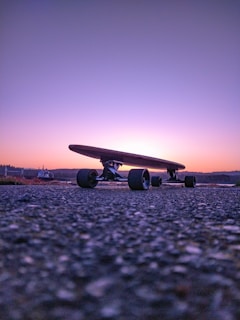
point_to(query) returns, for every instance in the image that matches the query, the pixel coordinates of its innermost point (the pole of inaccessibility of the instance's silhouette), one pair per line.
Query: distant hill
(230, 177)
(215, 177)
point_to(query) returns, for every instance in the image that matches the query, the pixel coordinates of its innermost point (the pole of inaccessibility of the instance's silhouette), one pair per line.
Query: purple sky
(159, 78)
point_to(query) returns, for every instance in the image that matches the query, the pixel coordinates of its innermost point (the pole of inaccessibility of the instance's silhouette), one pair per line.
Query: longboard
(125, 157)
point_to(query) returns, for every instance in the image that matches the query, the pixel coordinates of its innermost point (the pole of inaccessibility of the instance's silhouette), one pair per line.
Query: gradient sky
(159, 78)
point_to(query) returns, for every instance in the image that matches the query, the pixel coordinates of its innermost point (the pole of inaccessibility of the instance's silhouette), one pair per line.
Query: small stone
(99, 287)
(193, 249)
(66, 295)
(233, 228)
(128, 270)
(220, 256)
(63, 258)
(147, 294)
(111, 310)
(235, 247)
(220, 280)
(13, 226)
(28, 260)
(179, 269)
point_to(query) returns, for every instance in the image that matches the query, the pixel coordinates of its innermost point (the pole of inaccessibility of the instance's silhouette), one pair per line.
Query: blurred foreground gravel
(113, 253)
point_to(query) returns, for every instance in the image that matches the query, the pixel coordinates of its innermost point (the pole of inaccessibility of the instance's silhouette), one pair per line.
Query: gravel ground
(112, 253)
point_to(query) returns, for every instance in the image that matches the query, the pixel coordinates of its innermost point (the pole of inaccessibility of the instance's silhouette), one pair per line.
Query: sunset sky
(159, 78)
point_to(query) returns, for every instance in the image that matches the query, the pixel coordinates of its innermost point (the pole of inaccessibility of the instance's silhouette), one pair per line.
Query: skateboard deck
(125, 157)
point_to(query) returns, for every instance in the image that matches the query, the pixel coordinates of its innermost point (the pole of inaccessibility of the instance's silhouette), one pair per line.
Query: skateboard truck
(110, 168)
(189, 181)
(173, 176)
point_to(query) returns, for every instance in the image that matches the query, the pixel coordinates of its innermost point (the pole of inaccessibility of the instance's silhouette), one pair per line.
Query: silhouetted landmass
(229, 177)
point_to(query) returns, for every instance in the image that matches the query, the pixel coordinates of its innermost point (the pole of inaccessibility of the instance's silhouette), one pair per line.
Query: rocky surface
(113, 253)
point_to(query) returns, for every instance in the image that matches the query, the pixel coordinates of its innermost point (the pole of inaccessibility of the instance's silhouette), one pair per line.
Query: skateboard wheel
(190, 181)
(86, 178)
(156, 181)
(139, 179)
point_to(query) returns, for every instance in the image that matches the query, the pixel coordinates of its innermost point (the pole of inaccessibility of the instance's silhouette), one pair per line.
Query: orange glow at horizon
(58, 157)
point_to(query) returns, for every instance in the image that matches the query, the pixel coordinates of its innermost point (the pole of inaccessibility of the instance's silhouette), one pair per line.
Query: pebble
(112, 253)
(99, 287)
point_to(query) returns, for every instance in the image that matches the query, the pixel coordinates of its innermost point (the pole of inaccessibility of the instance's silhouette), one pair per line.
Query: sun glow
(137, 144)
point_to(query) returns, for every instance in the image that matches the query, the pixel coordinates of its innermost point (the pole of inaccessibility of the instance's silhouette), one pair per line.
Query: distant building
(45, 174)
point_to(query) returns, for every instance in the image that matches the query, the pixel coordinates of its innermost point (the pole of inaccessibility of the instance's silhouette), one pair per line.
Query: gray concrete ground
(113, 253)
